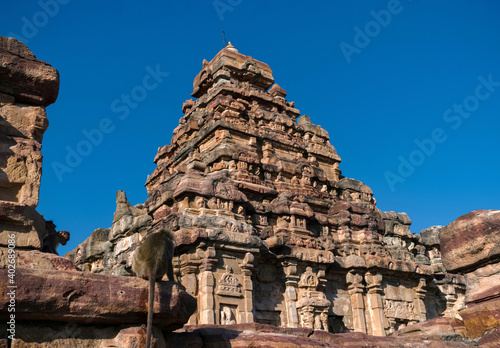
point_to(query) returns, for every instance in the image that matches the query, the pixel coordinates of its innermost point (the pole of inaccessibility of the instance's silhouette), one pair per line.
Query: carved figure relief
(308, 319)
(227, 316)
(199, 202)
(305, 181)
(212, 203)
(400, 309)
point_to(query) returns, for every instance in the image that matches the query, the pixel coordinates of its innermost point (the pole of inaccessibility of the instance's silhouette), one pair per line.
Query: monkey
(54, 238)
(52, 241)
(151, 261)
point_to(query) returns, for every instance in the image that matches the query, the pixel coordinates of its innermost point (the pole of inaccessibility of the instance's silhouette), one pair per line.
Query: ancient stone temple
(275, 246)
(268, 229)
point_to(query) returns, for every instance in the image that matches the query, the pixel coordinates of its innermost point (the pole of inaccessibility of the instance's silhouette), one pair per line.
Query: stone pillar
(375, 304)
(450, 293)
(356, 289)
(206, 303)
(247, 269)
(189, 281)
(420, 304)
(291, 283)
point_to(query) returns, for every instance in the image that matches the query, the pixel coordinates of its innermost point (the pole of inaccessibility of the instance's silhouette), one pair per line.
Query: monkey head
(63, 237)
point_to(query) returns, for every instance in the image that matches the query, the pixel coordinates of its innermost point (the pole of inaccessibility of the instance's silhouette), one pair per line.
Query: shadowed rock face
(27, 86)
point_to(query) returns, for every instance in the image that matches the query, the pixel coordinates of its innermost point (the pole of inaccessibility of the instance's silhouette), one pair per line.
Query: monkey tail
(151, 302)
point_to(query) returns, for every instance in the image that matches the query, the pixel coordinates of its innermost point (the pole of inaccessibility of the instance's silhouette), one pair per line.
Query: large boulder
(87, 298)
(471, 240)
(22, 76)
(471, 245)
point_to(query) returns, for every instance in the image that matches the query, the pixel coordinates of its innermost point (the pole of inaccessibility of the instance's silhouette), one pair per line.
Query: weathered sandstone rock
(438, 328)
(430, 235)
(27, 79)
(94, 298)
(490, 339)
(483, 284)
(109, 250)
(37, 334)
(481, 317)
(123, 207)
(27, 86)
(23, 220)
(36, 260)
(471, 245)
(471, 240)
(258, 335)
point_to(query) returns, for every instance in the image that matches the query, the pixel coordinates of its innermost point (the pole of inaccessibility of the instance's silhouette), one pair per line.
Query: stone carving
(229, 284)
(400, 309)
(227, 316)
(309, 280)
(199, 202)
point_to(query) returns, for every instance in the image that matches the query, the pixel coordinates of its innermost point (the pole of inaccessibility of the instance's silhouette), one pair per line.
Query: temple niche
(267, 228)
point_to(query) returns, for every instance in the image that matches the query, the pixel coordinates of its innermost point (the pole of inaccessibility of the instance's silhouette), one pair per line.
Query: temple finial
(231, 47)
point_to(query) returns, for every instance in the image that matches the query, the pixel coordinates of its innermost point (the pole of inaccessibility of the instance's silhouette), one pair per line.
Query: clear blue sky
(378, 85)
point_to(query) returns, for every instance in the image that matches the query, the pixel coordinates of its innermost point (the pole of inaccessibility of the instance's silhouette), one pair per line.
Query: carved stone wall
(267, 228)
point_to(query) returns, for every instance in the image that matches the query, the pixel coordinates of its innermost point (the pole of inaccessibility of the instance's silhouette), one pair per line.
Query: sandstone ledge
(24, 221)
(260, 335)
(94, 298)
(37, 334)
(35, 260)
(24, 77)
